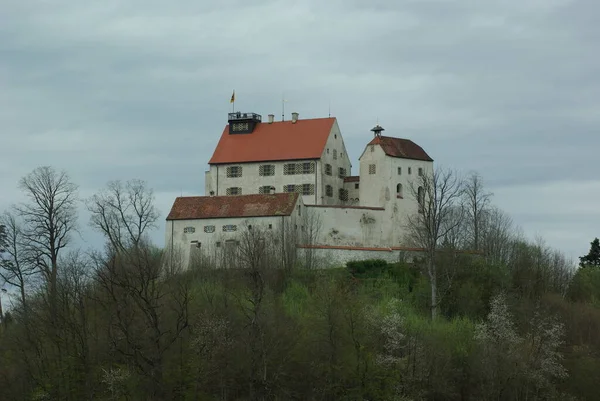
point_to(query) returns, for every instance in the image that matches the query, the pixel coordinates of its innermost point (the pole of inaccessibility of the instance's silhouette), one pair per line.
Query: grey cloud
(123, 89)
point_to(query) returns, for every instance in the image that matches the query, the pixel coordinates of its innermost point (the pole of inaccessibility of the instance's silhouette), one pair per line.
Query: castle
(294, 177)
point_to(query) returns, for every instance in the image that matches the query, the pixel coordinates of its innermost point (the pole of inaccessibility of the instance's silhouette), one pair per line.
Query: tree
(476, 201)
(15, 266)
(2, 239)
(123, 213)
(147, 307)
(49, 217)
(312, 225)
(438, 214)
(593, 256)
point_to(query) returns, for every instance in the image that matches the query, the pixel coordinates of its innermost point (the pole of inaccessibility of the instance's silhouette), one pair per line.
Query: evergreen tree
(593, 257)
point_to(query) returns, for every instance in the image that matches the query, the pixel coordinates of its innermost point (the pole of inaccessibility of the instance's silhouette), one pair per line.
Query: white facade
(380, 175)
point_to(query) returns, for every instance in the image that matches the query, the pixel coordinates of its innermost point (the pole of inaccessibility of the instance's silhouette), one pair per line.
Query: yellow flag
(232, 97)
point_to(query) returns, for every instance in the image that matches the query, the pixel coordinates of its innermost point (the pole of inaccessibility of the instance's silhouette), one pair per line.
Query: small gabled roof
(402, 148)
(208, 207)
(277, 141)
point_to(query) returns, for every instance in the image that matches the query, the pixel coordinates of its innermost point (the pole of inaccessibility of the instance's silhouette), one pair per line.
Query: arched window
(421, 198)
(399, 191)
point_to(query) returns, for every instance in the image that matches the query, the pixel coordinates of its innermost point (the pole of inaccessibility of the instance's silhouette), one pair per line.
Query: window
(233, 191)
(372, 169)
(234, 171)
(289, 169)
(342, 172)
(334, 136)
(341, 154)
(327, 150)
(189, 230)
(372, 148)
(299, 211)
(196, 244)
(420, 172)
(421, 199)
(266, 170)
(329, 190)
(409, 170)
(218, 244)
(308, 189)
(289, 188)
(328, 169)
(399, 190)
(399, 170)
(343, 194)
(249, 227)
(299, 168)
(229, 228)
(266, 189)
(334, 154)
(308, 168)
(240, 127)
(209, 229)
(355, 186)
(270, 226)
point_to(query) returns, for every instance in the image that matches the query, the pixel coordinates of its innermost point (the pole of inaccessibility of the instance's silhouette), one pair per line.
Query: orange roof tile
(402, 148)
(206, 207)
(281, 140)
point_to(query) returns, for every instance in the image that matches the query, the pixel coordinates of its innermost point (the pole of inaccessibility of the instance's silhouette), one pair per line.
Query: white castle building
(295, 176)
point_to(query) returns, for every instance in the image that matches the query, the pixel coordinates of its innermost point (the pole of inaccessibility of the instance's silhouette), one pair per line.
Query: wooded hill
(516, 322)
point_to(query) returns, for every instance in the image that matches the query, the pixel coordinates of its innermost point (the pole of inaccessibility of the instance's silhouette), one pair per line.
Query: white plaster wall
(182, 242)
(334, 142)
(353, 192)
(330, 258)
(251, 180)
(380, 189)
(347, 226)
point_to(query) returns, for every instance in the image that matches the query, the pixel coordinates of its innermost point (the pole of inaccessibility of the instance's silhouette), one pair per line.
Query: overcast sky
(122, 89)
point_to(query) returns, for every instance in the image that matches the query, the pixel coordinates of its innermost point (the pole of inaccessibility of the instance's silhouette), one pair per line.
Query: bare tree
(49, 217)
(497, 235)
(148, 306)
(123, 212)
(15, 267)
(476, 201)
(438, 213)
(311, 230)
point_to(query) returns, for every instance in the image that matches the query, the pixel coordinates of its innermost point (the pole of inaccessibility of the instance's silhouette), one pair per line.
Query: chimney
(294, 117)
(271, 118)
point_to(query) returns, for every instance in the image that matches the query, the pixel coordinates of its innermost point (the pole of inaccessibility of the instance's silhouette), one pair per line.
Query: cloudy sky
(124, 89)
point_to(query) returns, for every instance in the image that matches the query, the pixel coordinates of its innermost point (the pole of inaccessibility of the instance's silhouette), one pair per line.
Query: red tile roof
(403, 148)
(352, 178)
(282, 140)
(206, 207)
